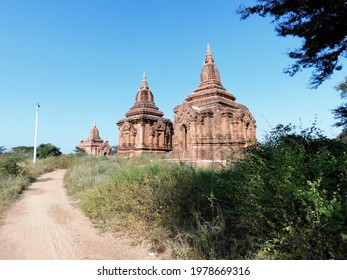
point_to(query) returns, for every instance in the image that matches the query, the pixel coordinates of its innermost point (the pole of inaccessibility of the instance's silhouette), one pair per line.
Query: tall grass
(10, 188)
(172, 205)
(46, 165)
(17, 173)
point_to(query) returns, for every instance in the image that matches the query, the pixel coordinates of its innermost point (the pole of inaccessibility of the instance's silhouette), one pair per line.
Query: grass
(151, 200)
(17, 173)
(10, 189)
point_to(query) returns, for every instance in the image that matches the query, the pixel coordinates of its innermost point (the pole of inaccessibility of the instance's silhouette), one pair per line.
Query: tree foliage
(294, 201)
(341, 112)
(114, 150)
(10, 161)
(79, 151)
(9, 165)
(23, 151)
(321, 24)
(48, 150)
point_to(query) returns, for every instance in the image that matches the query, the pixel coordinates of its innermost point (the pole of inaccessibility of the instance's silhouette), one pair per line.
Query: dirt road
(44, 225)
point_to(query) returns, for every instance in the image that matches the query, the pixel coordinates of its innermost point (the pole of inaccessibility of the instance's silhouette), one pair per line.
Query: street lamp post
(36, 124)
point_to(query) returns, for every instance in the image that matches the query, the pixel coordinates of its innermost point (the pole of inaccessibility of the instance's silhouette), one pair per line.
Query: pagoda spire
(144, 81)
(209, 58)
(209, 72)
(93, 133)
(210, 79)
(144, 102)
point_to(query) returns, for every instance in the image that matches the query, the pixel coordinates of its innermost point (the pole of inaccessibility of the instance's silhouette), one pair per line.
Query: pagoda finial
(144, 81)
(209, 57)
(94, 124)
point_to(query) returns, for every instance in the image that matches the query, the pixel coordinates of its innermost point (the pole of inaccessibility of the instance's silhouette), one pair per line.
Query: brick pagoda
(94, 145)
(144, 130)
(210, 125)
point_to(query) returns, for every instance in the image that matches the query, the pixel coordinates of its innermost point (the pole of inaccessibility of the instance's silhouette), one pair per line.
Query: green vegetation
(341, 111)
(79, 151)
(17, 171)
(310, 21)
(286, 199)
(13, 179)
(47, 150)
(23, 151)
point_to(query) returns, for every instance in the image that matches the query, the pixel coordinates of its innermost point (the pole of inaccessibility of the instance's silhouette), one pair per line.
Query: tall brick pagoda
(209, 124)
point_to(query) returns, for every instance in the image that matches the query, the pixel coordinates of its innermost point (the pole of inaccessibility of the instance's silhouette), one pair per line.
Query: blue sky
(83, 61)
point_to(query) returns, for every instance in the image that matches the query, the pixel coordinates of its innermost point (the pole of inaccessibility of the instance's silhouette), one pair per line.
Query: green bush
(47, 150)
(294, 195)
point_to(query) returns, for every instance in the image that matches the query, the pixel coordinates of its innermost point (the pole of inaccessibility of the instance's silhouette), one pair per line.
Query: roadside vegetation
(286, 199)
(17, 170)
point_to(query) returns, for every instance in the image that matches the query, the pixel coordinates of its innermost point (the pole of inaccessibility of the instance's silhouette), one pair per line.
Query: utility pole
(36, 124)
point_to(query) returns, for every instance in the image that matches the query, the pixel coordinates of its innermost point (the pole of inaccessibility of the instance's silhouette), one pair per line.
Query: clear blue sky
(83, 61)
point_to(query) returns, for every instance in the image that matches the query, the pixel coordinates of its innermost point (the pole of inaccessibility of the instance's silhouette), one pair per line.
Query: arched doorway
(184, 137)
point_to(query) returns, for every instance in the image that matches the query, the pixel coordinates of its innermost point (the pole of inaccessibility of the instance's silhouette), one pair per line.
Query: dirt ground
(44, 225)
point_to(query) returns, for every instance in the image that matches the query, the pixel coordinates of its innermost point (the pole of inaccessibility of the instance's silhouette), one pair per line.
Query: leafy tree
(114, 149)
(9, 165)
(79, 151)
(321, 24)
(48, 150)
(23, 151)
(343, 136)
(2, 150)
(341, 111)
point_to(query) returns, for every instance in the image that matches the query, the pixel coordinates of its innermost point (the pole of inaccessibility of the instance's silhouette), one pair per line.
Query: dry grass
(16, 174)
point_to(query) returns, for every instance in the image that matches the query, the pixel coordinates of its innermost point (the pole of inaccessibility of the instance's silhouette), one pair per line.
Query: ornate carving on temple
(94, 145)
(144, 129)
(210, 124)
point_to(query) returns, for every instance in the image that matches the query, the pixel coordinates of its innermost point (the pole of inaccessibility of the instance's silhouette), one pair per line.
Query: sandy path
(44, 225)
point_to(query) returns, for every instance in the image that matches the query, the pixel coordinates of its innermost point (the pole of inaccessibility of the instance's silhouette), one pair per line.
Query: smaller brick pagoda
(144, 130)
(94, 145)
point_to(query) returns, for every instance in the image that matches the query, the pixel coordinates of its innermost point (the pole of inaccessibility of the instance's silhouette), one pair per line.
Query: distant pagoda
(94, 145)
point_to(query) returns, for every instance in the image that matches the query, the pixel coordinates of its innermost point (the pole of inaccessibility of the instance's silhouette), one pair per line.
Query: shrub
(294, 195)
(47, 150)
(9, 165)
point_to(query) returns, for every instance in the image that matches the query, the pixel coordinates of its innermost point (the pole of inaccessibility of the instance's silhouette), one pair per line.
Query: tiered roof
(144, 103)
